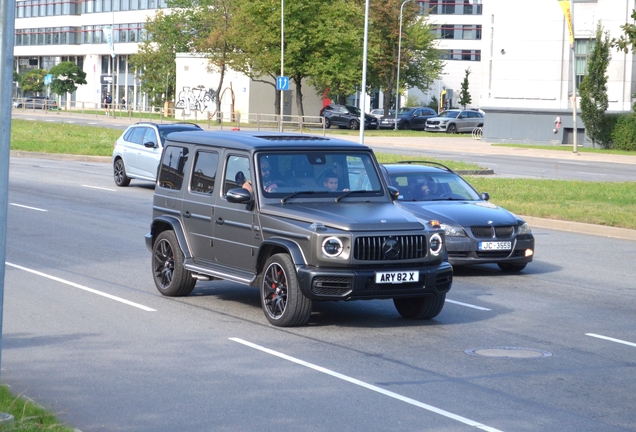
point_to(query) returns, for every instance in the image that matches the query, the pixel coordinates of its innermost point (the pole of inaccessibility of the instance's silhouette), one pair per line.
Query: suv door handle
(186, 214)
(220, 221)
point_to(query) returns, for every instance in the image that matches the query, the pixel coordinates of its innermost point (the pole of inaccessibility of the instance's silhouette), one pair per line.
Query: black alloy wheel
(171, 278)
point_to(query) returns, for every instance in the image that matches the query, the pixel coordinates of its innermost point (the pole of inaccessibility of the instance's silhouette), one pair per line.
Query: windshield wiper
(288, 197)
(346, 194)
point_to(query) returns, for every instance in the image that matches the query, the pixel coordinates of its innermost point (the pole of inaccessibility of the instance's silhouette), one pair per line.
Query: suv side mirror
(150, 144)
(238, 196)
(485, 196)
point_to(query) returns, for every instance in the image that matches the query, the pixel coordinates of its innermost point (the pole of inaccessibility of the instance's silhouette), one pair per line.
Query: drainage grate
(508, 352)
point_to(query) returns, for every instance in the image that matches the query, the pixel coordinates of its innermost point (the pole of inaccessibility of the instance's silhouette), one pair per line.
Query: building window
(582, 49)
(466, 32)
(451, 7)
(467, 55)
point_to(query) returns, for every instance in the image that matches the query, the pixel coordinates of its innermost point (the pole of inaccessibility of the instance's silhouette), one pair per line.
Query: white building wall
(526, 54)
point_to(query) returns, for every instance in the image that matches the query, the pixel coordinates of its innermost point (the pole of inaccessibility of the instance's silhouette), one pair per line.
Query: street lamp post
(397, 85)
(282, 60)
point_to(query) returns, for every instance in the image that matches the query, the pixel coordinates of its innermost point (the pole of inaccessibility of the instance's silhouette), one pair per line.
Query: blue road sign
(48, 79)
(282, 83)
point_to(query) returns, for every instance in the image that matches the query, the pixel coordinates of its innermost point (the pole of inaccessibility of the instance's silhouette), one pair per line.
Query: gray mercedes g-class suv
(303, 218)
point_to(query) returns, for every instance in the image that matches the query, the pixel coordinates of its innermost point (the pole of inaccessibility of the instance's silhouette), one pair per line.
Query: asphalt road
(87, 335)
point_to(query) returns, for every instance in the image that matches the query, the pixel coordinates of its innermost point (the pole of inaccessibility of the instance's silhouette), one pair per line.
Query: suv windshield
(404, 111)
(317, 174)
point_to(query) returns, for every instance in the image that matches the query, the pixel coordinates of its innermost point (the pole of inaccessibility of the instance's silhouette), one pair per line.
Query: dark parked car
(35, 102)
(454, 121)
(346, 117)
(408, 118)
(256, 208)
(137, 151)
(477, 231)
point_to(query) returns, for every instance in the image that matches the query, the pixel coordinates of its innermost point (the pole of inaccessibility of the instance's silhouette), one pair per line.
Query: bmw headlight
(524, 228)
(453, 230)
(436, 244)
(332, 246)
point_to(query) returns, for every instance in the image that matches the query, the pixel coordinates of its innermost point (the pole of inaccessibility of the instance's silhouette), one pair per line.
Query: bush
(624, 133)
(606, 128)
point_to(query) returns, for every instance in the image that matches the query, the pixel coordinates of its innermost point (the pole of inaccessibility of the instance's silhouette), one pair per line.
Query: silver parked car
(455, 120)
(137, 151)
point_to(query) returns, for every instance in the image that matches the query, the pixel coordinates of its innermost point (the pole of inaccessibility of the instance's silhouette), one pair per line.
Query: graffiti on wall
(196, 99)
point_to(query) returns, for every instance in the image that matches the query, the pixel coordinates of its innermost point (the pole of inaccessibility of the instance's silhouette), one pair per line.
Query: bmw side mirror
(485, 196)
(394, 192)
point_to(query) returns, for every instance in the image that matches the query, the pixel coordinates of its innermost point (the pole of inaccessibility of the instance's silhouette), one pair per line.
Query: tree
(420, 62)
(66, 77)
(593, 88)
(628, 39)
(464, 94)
(154, 63)
(33, 81)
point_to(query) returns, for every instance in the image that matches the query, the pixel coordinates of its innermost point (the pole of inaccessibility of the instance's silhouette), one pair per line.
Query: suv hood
(465, 213)
(347, 216)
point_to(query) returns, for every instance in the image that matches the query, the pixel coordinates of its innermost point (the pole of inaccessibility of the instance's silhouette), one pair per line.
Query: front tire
(452, 129)
(406, 126)
(420, 308)
(119, 171)
(171, 278)
(283, 303)
(511, 268)
(354, 124)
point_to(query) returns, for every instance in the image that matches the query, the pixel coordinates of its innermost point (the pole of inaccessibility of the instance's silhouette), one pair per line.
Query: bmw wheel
(419, 308)
(171, 278)
(121, 179)
(283, 303)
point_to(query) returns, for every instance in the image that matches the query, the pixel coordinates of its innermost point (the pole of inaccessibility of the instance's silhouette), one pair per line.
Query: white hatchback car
(137, 151)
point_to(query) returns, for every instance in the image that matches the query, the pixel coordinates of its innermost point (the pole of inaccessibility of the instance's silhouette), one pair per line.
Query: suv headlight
(436, 244)
(453, 230)
(524, 228)
(332, 247)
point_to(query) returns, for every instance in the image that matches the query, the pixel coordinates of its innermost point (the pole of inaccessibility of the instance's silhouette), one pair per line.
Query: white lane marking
(467, 305)
(27, 207)
(90, 290)
(611, 339)
(590, 173)
(573, 163)
(371, 387)
(100, 188)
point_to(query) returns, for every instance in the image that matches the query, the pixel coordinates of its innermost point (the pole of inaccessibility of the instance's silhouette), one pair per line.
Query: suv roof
(260, 140)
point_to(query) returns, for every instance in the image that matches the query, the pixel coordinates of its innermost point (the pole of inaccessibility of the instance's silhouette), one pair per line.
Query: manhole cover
(508, 352)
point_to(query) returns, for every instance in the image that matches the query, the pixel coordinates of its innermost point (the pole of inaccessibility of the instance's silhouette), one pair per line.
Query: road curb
(55, 156)
(581, 228)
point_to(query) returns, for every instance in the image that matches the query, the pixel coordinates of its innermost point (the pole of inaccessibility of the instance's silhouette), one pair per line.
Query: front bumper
(319, 283)
(465, 251)
(435, 128)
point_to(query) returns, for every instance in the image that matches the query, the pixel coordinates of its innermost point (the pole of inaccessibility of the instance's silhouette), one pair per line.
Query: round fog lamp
(436, 244)
(332, 246)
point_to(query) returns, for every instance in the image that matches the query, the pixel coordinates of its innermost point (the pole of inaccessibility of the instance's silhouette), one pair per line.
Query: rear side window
(172, 168)
(204, 172)
(137, 135)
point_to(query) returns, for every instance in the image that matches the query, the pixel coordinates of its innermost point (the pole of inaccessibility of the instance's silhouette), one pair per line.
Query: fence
(168, 113)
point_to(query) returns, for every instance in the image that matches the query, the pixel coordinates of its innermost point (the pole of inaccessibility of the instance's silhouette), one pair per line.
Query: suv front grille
(493, 232)
(373, 248)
